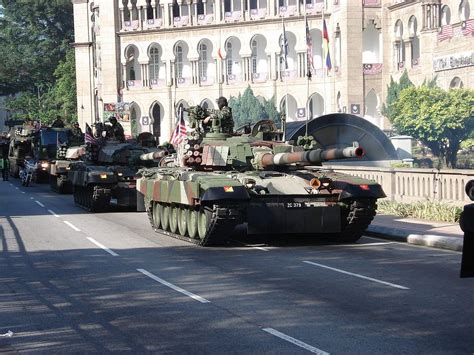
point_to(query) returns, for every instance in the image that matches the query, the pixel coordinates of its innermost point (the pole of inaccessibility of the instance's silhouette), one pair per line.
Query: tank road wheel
(183, 220)
(358, 217)
(204, 222)
(165, 217)
(173, 220)
(156, 215)
(192, 223)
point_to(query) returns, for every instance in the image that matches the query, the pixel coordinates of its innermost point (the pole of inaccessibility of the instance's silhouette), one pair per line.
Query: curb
(428, 240)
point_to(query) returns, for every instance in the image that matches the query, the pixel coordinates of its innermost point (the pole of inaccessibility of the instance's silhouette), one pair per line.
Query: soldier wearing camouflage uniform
(224, 113)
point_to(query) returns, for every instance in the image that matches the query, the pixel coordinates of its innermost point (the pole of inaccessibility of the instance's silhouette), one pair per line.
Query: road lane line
(295, 341)
(32, 198)
(23, 192)
(111, 252)
(176, 288)
(39, 203)
(357, 275)
(72, 226)
(53, 213)
(17, 188)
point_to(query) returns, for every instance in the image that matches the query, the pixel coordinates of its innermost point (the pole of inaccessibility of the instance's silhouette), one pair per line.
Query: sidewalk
(442, 235)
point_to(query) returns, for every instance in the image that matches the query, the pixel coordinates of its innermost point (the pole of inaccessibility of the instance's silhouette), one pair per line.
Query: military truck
(217, 181)
(38, 143)
(106, 173)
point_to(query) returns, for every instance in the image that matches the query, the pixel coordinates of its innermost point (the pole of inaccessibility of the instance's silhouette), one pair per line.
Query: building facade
(147, 57)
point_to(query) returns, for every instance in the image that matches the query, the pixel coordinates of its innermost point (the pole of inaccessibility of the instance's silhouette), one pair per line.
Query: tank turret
(218, 180)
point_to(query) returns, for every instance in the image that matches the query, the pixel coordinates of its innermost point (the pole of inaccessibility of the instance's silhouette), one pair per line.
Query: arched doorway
(156, 114)
(292, 108)
(315, 105)
(135, 117)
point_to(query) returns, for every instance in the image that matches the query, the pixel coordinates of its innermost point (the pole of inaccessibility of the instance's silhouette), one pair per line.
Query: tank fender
(225, 193)
(350, 191)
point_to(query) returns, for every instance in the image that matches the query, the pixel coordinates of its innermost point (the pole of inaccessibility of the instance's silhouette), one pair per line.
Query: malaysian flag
(179, 132)
(467, 27)
(445, 32)
(309, 51)
(284, 47)
(89, 136)
(326, 46)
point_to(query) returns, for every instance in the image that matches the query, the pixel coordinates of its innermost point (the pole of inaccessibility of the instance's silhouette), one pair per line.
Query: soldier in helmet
(58, 122)
(116, 131)
(76, 130)
(224, 114)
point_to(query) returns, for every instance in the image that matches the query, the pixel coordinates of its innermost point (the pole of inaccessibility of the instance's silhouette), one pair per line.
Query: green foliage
(439, 119)
(247, 108)
(34, 37)
(58, 100)
(393, 92)
(432, 211)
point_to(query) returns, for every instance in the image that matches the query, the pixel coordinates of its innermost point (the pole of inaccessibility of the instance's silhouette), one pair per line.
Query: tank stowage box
(217, 181)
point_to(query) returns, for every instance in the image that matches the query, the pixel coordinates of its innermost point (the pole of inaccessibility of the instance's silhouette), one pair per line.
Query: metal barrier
(409, 185)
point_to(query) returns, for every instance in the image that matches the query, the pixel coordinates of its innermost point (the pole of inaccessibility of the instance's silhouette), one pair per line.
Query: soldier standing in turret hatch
(224, 114)
(116, 131)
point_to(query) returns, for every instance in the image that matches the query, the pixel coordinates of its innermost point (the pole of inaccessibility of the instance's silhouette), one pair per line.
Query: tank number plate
(295, 205)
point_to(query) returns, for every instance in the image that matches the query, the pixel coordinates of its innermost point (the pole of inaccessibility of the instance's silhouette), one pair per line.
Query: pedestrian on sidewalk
(5, 167)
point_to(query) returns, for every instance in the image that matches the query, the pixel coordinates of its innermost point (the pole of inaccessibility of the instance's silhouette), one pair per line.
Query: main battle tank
(107, 171)
(59, 168)
(217, 181)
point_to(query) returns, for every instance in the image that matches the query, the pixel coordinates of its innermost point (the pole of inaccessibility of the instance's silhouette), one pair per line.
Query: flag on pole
(284, 46)
(179, 133)
(326, 46)
(309, 51)
(89, 136)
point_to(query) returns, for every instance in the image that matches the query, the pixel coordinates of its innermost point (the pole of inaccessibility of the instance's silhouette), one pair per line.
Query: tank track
(91, 198)
(223, 221)
(361, 213)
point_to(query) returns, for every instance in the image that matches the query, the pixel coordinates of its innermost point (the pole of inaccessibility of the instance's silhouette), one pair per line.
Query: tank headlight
(44, 165)
(103, 176)
(68, 168)
(120, 174)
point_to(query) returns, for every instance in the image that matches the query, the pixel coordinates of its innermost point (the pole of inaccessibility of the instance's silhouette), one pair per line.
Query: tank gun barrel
(314, 156)
(154, 155)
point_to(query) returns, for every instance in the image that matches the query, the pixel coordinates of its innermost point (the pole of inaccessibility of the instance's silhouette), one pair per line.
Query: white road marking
(295, 341)
(23, 192)
(17, 188)
(53, 213)
(111, 252)
(32, 198)
(176, 288)
(72, 226)
(39, 203)
(357, 275)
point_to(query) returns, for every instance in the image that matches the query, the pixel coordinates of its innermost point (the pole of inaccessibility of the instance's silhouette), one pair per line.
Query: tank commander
(76, 130)
(224, 113)
(116, 130)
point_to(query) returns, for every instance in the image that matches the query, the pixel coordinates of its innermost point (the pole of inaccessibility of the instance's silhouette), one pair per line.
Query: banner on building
(121, 111)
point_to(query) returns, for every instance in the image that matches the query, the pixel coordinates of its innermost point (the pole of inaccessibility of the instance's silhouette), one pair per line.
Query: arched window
(229, 58)
(149, 10)
(456, 83)
(371, 44)
(445, 15)
(398, 31)
(134, 10)
(176, 12)
(156, 113)
(253, 57)
(200, 7)
(126, 11)
(179, 61)
(202, 64)
(464, 10)
(154, 65)
(337, 47)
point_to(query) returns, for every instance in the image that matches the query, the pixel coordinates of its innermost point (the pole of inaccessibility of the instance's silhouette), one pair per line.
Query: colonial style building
(144, 58)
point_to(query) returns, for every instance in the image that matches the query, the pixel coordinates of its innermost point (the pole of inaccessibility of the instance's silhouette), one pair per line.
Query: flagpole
(324, 62)
(306, 27)
(286, 80)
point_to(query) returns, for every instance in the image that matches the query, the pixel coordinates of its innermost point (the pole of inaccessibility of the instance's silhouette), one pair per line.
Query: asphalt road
(72, 282)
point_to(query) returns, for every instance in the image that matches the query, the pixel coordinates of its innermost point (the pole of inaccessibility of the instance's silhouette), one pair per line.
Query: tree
(34, 37)
(439, 119)
(247, 108)
(393, 92)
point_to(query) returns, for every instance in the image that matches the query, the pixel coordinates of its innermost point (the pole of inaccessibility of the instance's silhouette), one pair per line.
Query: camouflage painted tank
(217, 181)
(59, 168)
(107, 171)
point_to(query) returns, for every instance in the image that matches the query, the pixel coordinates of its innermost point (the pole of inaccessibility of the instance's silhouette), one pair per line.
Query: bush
(432, 211)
